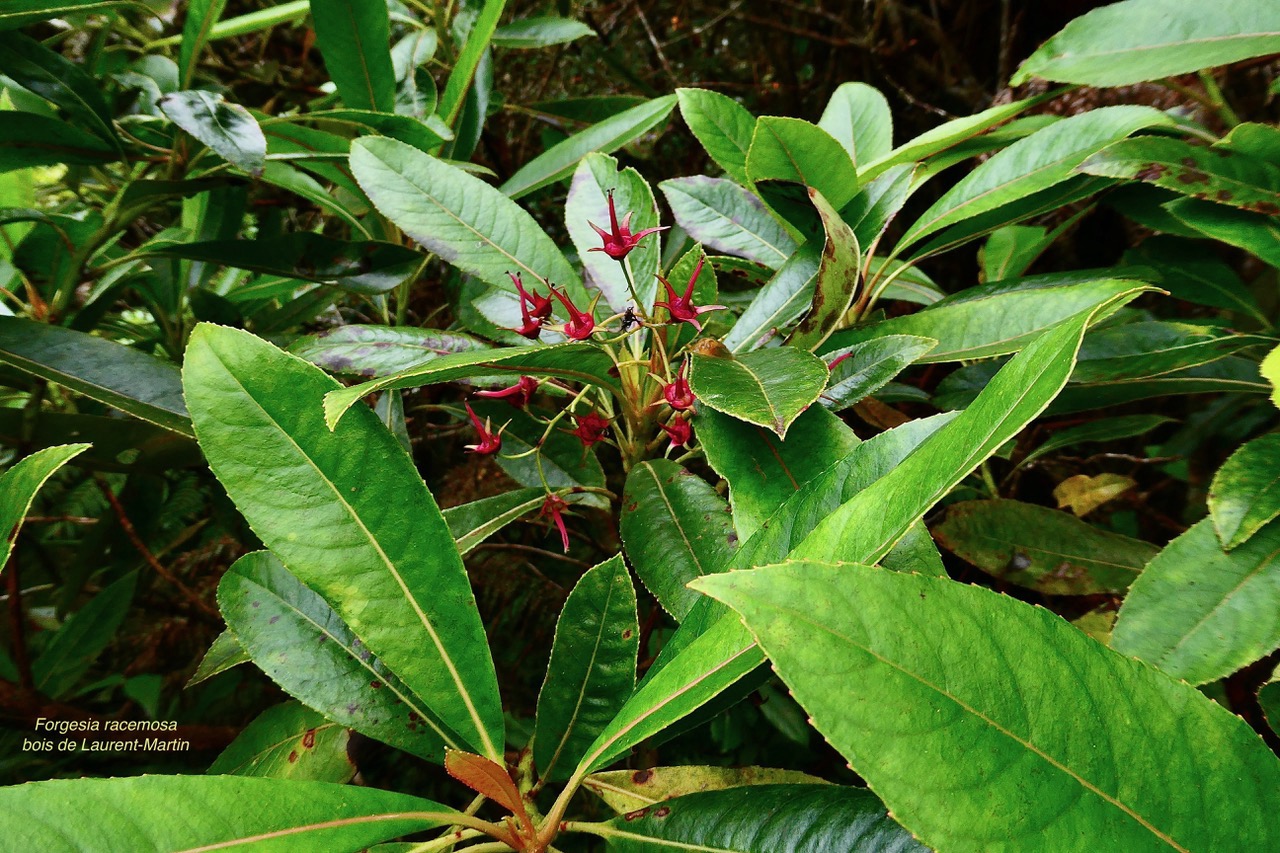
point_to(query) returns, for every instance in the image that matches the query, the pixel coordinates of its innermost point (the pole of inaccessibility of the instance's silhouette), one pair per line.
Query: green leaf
(727, 218)
(630, 790)
(472, 523)
(839, 274)
(373, 351)
(298, 640)
(866, 527)
(763, 471)
(587, 204)
(1033, 164)
(577, 362)
(1270, 369)
(1218, 174)
(354, 38)
(288, 741)
(1100, 431)
(1189, 273)
(424, 134)
(224, 653)
(1141, 40)
(946, 719)
(789, 149)
(782, 301)
(674, 528)
(1200, 613)
(228, 129)
(356, 540)
(996, 318)
(20, 13)
(82, 638)
(767, 387)
(561, 459)
(474, 50)
(876, 204)
(1155, 348)
(137, 813)
(762, 819)
(462, 219)
(1010, 250)
(870, 365)
(59, 81)
(27, 139)
(202, 16)
(367, 267)
(18, 487)
(592, 669)
(722, 125)
(1043, 549)
(1256, 233)
(122, 377)
(533, 33)
(299, 183)
(1245, 493)
(858, 117)
(608, 136)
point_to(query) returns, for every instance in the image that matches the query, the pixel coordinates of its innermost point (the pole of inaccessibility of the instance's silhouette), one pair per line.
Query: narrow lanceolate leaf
(538, 32)
(629, 790)
(18, 487)
(727, 218)
(56, 79)
(1141, 40)
(27, 139)
(1040, 161)
(577, 362)
(122, 377)
(996, 318)
(218, 812)
(289, 741)
(592, 669)
(354, 39)
(839, 273)
(782, 301)
(373, 351)
(472, 523)
(1245, 493)
(19, 13)
(767, 387)
(792, 150)
(377, 549)
(298, 640)
(228, 129)
(606, 137)
(458, 216)
(474, 50)
(722, 125)
(1041, 548)
(84, 636)
(870, 365)
(202, 16)
(365, 266)
(858, 117)
(762, 819)
(587, 204)
(1256, 233)
(1100, 431)
(674, 528)
(865, 528)
(764, 471)
(944, 721)
(1200, 613)
(1217, 174)
(224, 653)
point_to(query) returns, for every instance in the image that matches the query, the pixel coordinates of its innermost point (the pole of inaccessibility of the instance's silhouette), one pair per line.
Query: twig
(127, 526)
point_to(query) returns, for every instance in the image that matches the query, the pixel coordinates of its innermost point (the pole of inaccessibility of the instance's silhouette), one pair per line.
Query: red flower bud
(619, 243)
(517, 395)
(580, 325)
(534, 309)
(554, 507)
(681, 308)
(591, 428)
(679, 430)
(490, 442)
(678, 394)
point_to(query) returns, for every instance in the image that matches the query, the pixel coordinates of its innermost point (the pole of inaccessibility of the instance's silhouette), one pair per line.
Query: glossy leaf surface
(289, 741)
(18, 487)
(767, 387)
(374, 351)
(228, 129)
(1245, 493)
(727, 218)
(722, 125)
(353, 37)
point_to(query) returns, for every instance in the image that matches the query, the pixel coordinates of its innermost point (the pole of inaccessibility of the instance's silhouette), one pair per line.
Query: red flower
(679, 430)
(534, 313)
(621, 241)
(682, 308)
(490, 442)
(517, 395)
(580, 325)
(554, 507)
(591, 428)
(678, 394)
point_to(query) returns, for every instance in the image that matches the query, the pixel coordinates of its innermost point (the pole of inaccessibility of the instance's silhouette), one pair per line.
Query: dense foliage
(390, 456)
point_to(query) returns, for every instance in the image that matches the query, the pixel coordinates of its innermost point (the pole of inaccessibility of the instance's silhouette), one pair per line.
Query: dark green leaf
(18, 487)
(228, 129)
(1256, 233)
(354, 38)
(82, 638)
(782, 301)
(61, 82)
(722, 125)
(472, 523)
(27, 139)
(789, 149)
(224, 653)
(374, 351)
(1245, 493)
(533, 33)
(289, 741)
(1107, 429)
(19, 13)
(869, 366)
(1189, 273)
(723, 216)
(767, 387)
(202, 16)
